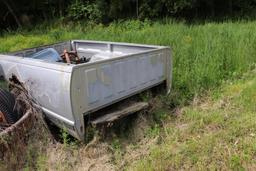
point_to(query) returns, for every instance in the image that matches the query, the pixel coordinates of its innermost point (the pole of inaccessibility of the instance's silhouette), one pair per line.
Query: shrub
(85, 10)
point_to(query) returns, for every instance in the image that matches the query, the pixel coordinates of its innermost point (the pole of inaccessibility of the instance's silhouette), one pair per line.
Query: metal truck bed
(69, 92)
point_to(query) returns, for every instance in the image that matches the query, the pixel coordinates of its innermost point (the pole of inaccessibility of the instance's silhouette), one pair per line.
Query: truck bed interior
(78, 52)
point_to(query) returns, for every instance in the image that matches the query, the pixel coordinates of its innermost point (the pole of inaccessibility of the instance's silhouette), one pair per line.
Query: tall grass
(204, 55)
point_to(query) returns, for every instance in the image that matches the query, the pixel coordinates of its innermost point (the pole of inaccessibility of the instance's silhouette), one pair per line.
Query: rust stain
(2, 118)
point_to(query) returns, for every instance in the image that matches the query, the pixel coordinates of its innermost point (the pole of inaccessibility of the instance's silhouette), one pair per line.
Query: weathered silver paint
(68, 92)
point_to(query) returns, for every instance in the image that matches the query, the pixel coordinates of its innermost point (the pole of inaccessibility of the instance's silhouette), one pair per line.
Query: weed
(218, 134)
(41, 164)
(153, 131)
(215, 137)
(235, 162)
(64, 136)
(116, 145)
(145, 96)
(203, 55)
(160, 115)
(67, 140)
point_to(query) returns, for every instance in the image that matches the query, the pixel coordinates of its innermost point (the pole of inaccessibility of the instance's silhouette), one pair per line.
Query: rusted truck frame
(67, 93)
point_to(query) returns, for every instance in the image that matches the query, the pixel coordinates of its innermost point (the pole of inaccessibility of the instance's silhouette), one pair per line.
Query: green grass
(204, 55)
(216, 133)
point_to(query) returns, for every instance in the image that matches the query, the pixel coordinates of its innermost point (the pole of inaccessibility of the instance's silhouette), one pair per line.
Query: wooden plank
(125, 111)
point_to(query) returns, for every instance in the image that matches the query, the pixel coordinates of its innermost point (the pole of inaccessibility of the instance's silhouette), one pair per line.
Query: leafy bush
(104, 11)
(85, 10)
(156, 9)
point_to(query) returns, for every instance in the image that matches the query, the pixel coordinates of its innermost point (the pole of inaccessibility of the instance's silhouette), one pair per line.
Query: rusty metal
(66, 56)
(70, 57)
(3, 122)
(2, 118)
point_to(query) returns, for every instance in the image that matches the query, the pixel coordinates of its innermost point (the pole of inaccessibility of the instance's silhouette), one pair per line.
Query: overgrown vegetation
(204, 55)
(214, 132)
(216, 129)
(217, 132)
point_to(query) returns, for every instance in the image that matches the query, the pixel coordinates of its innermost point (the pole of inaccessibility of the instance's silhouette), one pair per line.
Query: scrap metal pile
(72, 57)
(51, 55)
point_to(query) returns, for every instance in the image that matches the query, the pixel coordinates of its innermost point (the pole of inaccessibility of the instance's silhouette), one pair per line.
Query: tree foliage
(24, 12)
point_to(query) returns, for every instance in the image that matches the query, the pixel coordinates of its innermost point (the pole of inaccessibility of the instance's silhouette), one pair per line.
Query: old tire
(7, 104)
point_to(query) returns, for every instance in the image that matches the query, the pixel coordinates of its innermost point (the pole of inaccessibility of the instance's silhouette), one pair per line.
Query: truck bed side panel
(99, 84)
(48, 84)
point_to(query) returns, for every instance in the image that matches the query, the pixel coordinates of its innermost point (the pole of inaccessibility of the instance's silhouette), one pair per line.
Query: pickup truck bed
(67, 93)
